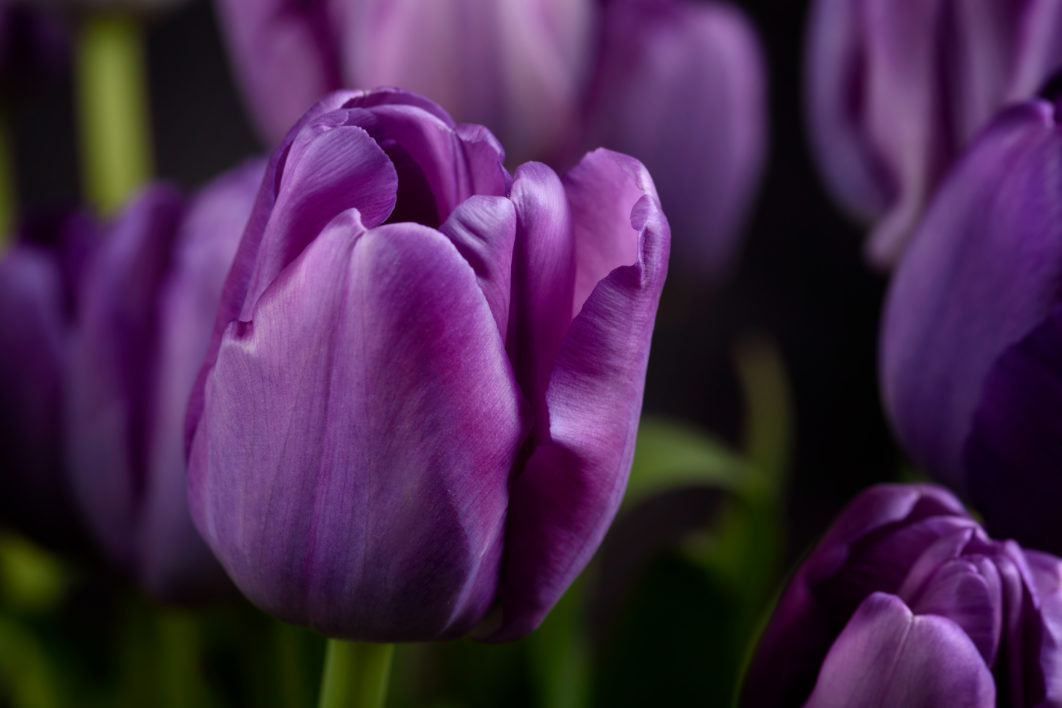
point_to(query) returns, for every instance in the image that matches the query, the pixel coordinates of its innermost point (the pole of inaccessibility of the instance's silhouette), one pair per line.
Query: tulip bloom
(419, 410)
(147, 307)
(970, 352)
(39, 277)
(678, 84)
(897, 88)
(906, 602)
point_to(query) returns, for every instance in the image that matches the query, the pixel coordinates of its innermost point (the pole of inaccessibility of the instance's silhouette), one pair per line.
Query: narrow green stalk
(8, 198)
(112, 107)
(355, 675)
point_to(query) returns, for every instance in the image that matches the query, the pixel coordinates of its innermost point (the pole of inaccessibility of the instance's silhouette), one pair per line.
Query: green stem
(355, 675)
(112, 107)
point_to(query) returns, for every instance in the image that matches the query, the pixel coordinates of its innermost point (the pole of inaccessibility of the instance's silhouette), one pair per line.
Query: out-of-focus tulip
(419, 410)
(39, 276)
(147, 309)
(678, 84)
(970, 359)
(906, 602)
(897, 88)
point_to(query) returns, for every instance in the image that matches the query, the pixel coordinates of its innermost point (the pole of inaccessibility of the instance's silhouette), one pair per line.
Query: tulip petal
(981, 272)
(680, 87)
(886, 656)
(376, 464)
(543, 275)
(284, 54)
(112, 379)
(1012, 451)
(483, 229)
(1045, 573)
(564, 499)
(174, 561)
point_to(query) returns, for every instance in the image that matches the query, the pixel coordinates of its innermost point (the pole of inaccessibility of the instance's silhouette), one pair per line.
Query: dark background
(801, 278)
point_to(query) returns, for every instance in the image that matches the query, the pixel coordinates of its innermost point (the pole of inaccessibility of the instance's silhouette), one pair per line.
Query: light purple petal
(1039, 54)
(543, 277)
(564, 499)
(376, 464)
(886, 656)
(483, 229)
(517, 68)
(980, 273)
(285, 57)
(1045, 575)
(680, 86)
(174, 562)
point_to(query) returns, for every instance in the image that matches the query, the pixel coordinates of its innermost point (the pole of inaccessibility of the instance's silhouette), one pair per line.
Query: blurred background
(663, 618)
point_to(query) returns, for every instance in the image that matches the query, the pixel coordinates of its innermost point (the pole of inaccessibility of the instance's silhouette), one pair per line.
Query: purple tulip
(419, 409)
(39, 276)
(897, 88)
(906, 602)
(147, 309)
(970, 356)
(677, 84)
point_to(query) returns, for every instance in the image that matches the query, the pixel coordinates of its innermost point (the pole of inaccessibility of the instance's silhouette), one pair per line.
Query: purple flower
(897, 88)
(419, 409)
(906, 602)
(677, 84)
(970, 351)
(147, 308)
(39, 276)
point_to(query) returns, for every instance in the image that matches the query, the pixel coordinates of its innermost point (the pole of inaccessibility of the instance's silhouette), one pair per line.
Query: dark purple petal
(870, 546)
(285, 56)
(983, 269)
(1011, 456)
(564, 499)
(34, 333)
(680, 86)
(1045, 577)
(886, 656)
(366, 494)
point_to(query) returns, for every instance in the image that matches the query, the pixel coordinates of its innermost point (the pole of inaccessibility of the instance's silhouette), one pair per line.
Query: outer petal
(285, 57)
(174, 561)
(371, 388)
(680, 86)
(563, 501)
(112, 374)
(1045, 575)
(983, 269)
(1039, 53)
(887, 656)
(516, 67)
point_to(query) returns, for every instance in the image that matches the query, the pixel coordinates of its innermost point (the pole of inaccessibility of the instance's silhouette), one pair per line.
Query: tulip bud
(148, 304)
(39, 277)
(969, 357)
(897, 88)
(906, 602)
(420, 404)
(680, 85)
